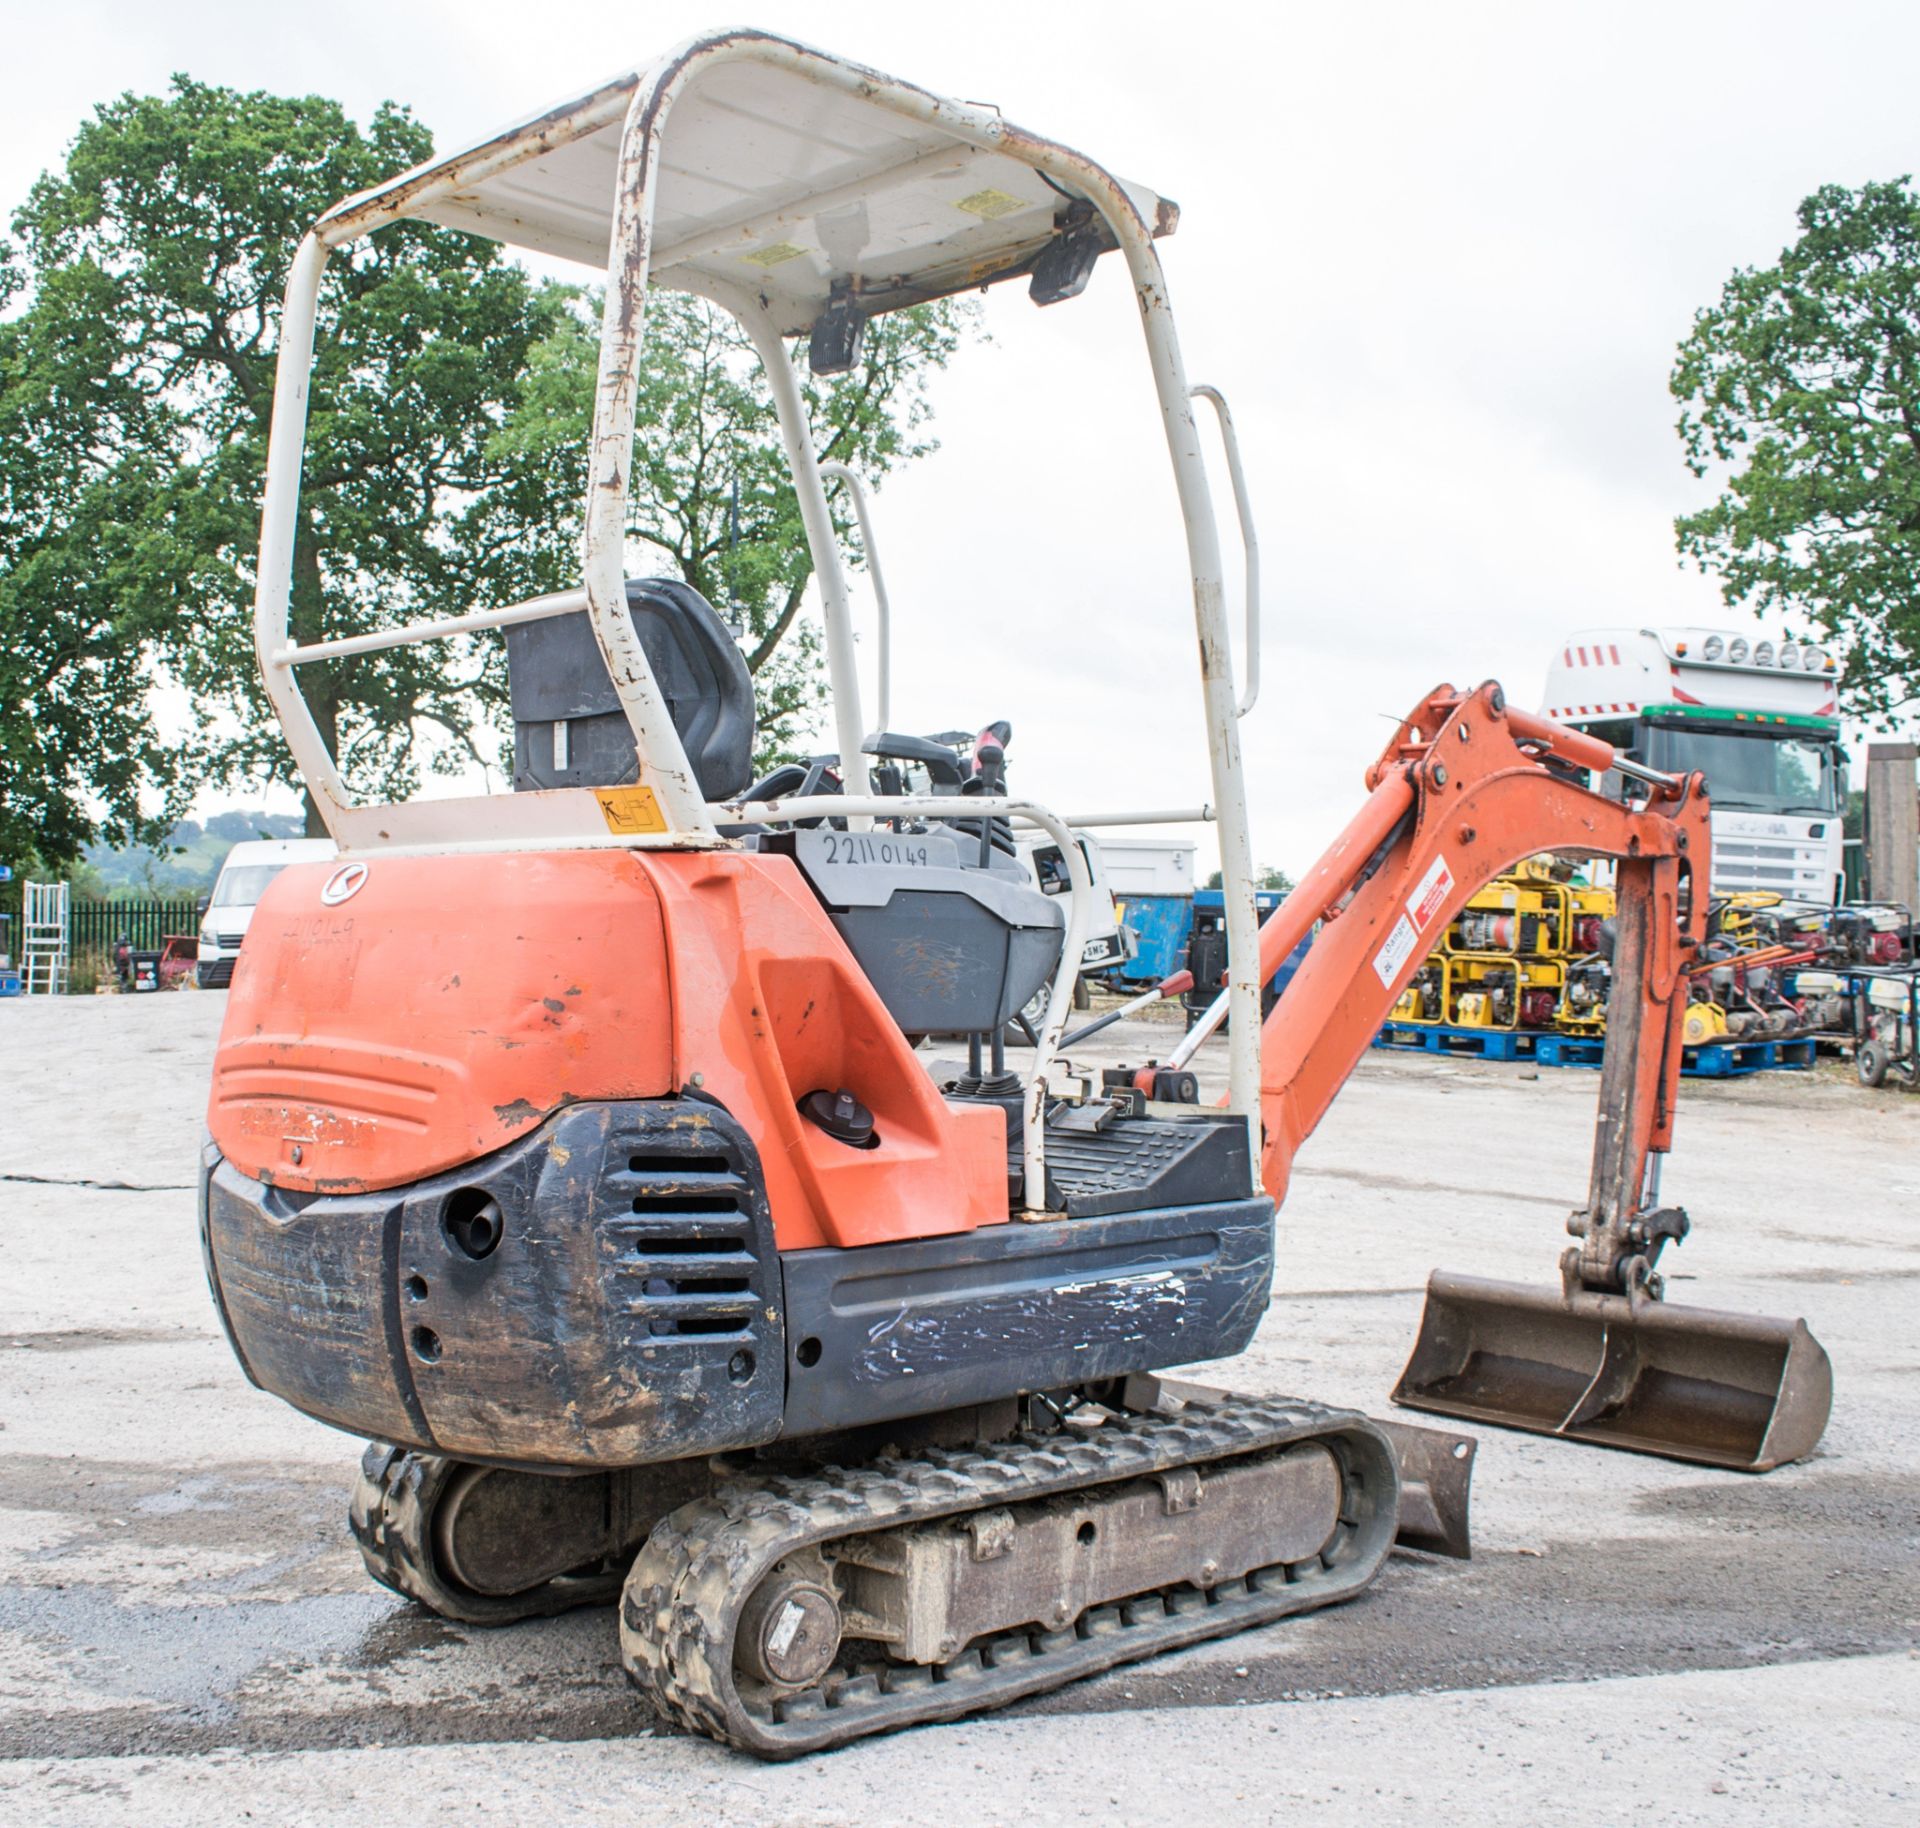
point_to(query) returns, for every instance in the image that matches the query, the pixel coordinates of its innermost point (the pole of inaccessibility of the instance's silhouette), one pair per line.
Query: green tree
(174, 221)
(1801, 388)
(445, 461)
(79, 754)
(712, 500)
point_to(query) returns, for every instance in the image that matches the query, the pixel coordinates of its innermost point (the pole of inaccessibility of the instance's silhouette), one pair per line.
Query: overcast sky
(1438, 257)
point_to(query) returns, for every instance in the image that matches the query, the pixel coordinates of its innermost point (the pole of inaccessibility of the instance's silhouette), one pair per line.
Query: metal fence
(96, 925)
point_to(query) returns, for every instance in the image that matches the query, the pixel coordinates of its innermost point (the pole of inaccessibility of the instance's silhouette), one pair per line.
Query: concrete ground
(186, 1633)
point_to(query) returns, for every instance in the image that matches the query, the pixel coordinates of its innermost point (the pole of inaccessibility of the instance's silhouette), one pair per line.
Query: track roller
(787, 1613)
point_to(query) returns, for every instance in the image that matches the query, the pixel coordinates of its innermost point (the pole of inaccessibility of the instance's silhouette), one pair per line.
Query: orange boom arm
(1466, 788)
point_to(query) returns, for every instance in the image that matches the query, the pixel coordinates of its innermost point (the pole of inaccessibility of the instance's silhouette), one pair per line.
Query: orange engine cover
(453, 1002)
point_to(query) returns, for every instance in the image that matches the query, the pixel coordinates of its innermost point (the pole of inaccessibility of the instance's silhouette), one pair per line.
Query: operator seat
(568, 727)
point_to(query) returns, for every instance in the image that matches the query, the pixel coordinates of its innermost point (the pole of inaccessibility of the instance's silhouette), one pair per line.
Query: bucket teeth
(1718, 1389)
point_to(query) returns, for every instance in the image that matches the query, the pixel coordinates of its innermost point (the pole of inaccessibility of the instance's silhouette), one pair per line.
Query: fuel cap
(842, 1116)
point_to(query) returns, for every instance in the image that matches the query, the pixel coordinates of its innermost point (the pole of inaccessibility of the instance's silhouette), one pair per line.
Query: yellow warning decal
(773, 256)
(990, 205)
(630, 810)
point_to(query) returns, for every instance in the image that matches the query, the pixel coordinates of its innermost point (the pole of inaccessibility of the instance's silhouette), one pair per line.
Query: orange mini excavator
(571, 1144)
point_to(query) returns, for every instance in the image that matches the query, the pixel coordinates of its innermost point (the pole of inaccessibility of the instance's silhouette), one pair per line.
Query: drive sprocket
(393, 1515)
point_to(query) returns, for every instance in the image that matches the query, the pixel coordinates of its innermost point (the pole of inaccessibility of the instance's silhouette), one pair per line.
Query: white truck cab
(244, 876)
(1758, 717)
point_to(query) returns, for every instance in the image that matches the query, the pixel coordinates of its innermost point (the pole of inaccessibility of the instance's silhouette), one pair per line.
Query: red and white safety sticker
(1430, 894)
(1423, 908)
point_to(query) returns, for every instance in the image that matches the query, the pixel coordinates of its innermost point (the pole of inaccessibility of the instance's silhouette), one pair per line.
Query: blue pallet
(1571, 1050)
(1710, 1060)
(1481, 1043)
(9, 983)
(1736, 1059)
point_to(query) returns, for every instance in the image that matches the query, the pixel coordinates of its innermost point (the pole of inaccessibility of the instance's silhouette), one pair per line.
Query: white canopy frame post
(1249, 538)
(1209, 602)
(279, 527)
(603, 544)
(883, 607)
(836, 603)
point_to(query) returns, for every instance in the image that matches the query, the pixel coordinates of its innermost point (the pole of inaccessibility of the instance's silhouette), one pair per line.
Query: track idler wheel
(790, 1629)
(490, 1547)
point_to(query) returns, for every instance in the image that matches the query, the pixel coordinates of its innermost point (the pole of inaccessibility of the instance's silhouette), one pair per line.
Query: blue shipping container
(1160, 924)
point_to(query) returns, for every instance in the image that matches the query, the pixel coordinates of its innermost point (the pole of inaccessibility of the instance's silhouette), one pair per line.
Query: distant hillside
(190, 860)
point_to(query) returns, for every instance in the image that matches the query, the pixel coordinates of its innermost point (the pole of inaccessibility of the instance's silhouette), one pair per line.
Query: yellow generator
(1525, 954)
(1522, 954)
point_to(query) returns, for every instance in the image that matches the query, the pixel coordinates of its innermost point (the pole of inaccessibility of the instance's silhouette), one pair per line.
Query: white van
(243, 880)
(1109, 944)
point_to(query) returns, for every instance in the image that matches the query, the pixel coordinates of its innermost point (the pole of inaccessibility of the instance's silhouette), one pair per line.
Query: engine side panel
(905, 1329)
(628, 1311)
(449, 1004)
(440, 1010)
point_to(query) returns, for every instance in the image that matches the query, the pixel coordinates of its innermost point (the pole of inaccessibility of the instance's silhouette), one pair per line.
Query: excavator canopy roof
(770, 182)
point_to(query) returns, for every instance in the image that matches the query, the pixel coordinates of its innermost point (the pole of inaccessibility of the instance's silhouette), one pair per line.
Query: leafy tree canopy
(444, 471)
(76, 636)
(1801, 388)
(712, 499)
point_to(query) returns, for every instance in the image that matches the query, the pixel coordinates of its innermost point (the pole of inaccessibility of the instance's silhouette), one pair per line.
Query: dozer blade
(1739, 1390)
(1436, 1488)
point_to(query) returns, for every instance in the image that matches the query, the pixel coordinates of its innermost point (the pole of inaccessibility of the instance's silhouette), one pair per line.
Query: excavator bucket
(1737, 1390)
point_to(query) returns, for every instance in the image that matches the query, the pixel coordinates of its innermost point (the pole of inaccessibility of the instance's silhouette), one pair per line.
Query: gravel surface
(186, 1632)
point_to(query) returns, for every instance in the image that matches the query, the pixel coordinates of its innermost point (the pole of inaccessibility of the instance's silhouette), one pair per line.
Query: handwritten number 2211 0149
(859, 848)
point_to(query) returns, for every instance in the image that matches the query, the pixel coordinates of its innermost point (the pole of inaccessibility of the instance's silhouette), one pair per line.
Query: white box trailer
(1759, 718)
(1148, 866)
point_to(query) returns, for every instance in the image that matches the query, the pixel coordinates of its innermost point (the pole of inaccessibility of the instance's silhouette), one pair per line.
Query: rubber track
(689, 1582)
(391, 1517)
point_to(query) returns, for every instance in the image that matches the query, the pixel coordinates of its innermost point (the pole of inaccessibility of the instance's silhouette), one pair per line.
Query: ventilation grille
(680, 1229)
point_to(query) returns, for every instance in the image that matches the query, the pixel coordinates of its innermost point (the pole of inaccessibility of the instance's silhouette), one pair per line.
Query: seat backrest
(568, 728)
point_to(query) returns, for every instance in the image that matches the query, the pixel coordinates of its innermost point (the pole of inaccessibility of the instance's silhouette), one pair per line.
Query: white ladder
(44, 939)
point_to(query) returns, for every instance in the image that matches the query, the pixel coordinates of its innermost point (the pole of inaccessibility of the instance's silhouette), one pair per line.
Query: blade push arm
(1467, 788)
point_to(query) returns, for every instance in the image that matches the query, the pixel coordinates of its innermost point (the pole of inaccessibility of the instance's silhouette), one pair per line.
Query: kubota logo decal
(343, 884)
